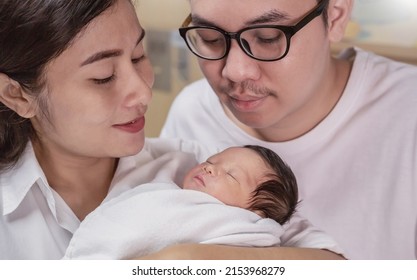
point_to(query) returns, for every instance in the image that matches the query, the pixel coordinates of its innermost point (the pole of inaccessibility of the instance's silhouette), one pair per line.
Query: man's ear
(339, 12)
(13, 96)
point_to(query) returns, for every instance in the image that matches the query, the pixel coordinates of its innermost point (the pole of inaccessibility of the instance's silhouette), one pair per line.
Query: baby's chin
(191, 185)
(188, 186)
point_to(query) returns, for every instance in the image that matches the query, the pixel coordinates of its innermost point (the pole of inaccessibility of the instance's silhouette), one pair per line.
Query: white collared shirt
(36, 223)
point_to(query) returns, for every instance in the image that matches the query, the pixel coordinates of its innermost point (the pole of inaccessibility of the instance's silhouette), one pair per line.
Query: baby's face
(230, 176)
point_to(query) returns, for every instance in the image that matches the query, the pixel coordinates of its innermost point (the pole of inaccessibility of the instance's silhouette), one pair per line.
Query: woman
(74, 87)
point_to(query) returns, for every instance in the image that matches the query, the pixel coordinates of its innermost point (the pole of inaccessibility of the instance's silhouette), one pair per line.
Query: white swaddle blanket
(152, 216)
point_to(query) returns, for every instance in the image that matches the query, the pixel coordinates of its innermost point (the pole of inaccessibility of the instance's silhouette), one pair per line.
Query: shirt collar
(16, 182)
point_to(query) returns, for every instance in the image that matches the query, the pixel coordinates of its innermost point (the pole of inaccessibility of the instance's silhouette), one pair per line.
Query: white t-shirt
(36, 223)
(356, 170)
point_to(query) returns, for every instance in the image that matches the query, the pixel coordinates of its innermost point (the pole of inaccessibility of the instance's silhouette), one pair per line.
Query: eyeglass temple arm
(314, 13)
(187, 21)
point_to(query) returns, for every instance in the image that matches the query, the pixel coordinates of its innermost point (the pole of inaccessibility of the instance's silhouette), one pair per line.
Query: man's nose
(238, 66)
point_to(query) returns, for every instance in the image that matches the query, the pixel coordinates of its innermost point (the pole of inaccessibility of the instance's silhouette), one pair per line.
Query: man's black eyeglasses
(261, 42)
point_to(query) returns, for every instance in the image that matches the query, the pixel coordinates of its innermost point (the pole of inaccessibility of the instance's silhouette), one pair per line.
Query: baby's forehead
(235, 153)
(242, 150)
(243, 156)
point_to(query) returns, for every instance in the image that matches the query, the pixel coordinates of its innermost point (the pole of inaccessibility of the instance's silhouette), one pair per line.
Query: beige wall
(387, 27)
(159, 16)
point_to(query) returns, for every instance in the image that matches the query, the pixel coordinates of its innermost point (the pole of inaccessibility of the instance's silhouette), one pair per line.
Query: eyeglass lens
(262, 42)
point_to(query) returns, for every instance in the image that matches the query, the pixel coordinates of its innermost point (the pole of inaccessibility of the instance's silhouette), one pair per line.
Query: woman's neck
(82, 182)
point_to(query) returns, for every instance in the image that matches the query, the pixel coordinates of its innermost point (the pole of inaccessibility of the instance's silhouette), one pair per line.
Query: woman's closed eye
(111, 78)
(138, 59)
(104, 80)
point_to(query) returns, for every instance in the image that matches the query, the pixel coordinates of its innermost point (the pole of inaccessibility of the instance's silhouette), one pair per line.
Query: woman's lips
(133, 126)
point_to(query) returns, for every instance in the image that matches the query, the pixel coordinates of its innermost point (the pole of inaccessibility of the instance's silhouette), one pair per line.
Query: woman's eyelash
(105, 80)
(112, 77)
(137, 60)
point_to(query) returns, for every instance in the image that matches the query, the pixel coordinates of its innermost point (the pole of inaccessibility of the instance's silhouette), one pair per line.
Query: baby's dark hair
(276, 198)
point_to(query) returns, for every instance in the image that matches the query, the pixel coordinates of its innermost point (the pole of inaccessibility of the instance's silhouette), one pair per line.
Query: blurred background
(387, 27)
(174, 65)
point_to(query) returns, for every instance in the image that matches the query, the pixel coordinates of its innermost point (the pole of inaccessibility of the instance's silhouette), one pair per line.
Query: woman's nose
(139, 87)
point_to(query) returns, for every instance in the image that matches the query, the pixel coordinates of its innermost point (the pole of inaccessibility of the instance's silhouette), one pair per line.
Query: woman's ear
(13, 96)
(339, 12)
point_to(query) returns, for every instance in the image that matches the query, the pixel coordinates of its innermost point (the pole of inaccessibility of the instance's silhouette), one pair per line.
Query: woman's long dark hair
(32, 33)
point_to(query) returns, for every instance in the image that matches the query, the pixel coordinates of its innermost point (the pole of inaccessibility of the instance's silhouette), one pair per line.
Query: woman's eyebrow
(102, 55)
(109, 53)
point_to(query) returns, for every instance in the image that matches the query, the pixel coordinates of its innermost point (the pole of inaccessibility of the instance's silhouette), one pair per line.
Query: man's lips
(248, 103)
(132, 126)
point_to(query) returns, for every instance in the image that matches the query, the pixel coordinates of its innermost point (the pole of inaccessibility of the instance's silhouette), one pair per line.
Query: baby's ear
(260, 213)
(13, 96)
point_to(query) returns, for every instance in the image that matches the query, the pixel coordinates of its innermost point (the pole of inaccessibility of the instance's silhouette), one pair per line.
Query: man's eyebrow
(108, 53)
(197, 20)
(269, 17)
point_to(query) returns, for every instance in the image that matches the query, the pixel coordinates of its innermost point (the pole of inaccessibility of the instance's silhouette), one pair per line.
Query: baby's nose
(211, 169)
(208, 169)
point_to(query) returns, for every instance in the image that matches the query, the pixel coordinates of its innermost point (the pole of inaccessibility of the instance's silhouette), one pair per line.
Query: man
(347, 126)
